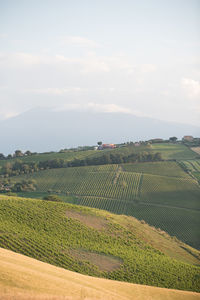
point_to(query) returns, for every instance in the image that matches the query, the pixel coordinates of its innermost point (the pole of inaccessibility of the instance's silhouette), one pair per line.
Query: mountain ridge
(42, 129)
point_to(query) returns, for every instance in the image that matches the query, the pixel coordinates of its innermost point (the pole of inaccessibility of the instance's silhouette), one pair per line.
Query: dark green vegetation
(161, 193)
(165, 194)
(20, 167)
(97, 243)
(53, 198)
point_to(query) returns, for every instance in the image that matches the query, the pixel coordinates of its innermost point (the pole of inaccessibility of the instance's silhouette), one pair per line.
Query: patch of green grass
(163, 168)
(42, 230)
(174, 151)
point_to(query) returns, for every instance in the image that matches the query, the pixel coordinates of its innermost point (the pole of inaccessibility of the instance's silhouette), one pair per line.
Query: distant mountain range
(43, 130)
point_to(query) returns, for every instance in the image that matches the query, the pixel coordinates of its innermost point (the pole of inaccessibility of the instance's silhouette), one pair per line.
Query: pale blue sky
(139, 57)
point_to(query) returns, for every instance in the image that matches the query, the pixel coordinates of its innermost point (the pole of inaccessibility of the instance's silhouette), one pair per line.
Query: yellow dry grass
(23, 278)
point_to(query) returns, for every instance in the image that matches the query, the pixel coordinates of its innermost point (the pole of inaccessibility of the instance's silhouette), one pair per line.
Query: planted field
(175, 192)
(121, 248)
(34, 282)
(104, 181)
(191, 165)
(196, 149)
(174, 151)
(164, 168)
(117, 189)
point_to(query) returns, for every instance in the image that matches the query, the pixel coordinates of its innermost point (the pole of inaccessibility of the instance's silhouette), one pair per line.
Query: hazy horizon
(140, 58)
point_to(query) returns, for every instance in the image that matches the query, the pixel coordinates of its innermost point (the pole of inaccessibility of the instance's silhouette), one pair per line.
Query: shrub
(53, 198)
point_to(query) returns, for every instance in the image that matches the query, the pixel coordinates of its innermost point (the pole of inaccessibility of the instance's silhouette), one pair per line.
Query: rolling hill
(97, 243)
(55, 130)
(23, 278)
(161, 193)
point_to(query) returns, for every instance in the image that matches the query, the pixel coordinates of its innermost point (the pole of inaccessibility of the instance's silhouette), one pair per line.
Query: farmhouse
(188, 138)
(106, 146)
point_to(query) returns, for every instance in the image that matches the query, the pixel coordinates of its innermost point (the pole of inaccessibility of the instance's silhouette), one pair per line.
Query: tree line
(20, 167)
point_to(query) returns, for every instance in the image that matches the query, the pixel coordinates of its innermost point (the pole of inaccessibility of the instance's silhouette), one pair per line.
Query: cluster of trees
(194, 143)
(17, 153)
(117, 158)
(19, 167)
(21, 186)
(53, 198)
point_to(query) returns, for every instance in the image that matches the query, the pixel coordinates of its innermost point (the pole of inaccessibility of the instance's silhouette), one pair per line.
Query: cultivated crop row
(162, 168)
(101, 181)
(191, 165)
(42, 230)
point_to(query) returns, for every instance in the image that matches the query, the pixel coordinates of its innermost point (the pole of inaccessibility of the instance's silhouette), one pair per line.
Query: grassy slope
(96, 243)
(174, 151)
(165, 196)
(163, 168)
(23, 278)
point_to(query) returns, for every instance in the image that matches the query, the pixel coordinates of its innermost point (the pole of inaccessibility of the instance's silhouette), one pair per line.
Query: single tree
(2, 156)
(173, 139)
(28, 153)
(18, 153)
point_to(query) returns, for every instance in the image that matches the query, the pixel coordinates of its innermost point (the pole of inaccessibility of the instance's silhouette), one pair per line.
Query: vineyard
(174, 151)
(63, 235)
(164, 168)
(132, 189)
(102, 181)
(191, 165)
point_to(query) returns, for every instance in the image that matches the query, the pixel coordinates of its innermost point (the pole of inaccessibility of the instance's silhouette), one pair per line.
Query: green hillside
(163, 168)
(97, 243)
(174, 151)
(167, 150)
(166, 194)
(68, 155)
(192, 167)
(170, 201)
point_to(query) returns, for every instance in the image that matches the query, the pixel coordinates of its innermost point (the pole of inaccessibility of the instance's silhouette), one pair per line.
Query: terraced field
(97, 243)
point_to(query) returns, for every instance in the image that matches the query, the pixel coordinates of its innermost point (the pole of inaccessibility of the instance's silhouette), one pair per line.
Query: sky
(135, 57)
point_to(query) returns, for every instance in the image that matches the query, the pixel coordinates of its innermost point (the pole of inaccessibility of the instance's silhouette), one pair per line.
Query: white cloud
(79, 41)
(191, 87)
(97, 107)
(8, 114)
(55, 91)
(90, 63)
(147, 68)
